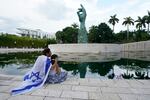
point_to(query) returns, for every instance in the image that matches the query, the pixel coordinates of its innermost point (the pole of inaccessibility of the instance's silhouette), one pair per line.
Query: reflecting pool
(127, 65)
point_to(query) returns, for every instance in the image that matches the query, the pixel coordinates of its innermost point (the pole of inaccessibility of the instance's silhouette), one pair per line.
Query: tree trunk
(148, 29)
(113, 28)
(127, 32)
(139, 28)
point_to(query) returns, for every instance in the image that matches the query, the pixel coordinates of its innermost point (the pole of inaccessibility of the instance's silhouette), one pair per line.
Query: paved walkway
(80, 89)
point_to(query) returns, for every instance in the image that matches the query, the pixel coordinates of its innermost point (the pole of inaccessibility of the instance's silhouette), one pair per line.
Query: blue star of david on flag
(35, 76)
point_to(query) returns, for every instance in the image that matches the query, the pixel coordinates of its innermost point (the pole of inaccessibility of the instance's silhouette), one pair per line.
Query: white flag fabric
(36, 77)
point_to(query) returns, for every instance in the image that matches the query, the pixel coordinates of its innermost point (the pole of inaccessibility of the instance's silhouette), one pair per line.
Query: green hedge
(13, 41)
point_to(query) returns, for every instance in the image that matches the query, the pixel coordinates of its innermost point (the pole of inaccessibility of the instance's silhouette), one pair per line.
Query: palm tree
(75, 25)
(140, 22)
(113, 20)
(128, 21)
(147, 18)
(138, 26)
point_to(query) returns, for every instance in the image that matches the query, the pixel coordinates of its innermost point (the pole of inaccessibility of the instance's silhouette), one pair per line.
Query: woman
(37, 76)
(55, 74)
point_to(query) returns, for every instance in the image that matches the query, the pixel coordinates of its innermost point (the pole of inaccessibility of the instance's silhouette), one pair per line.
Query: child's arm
(58, 70)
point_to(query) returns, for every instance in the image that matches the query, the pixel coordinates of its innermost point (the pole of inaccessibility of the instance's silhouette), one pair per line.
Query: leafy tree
(113, 20)
(101, 34)
(67, 35)
(105, 33)
(93, 33)
(128, 21)
(59, 36)
(120, 37)
(141, 35)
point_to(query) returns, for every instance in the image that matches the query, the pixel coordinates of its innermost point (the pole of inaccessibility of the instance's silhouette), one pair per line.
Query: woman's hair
(54, 56)
(45, 51)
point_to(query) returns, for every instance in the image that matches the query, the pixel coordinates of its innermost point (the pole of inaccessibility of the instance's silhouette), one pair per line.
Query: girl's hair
(45, 51)
(54, 56)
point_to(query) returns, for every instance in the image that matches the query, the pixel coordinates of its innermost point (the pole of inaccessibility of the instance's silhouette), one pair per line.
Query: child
(55, 74)
(55, 66)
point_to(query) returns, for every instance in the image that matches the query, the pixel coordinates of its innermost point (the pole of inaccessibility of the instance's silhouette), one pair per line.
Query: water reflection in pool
(107, 65)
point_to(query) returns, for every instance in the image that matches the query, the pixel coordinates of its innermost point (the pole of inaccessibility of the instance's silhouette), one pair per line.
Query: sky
(54, 15)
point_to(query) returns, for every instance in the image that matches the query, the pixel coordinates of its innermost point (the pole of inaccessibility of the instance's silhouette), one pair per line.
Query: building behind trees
(37, 33)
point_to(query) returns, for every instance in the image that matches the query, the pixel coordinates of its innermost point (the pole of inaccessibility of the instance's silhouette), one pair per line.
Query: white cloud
(54, 10)
(53, 15)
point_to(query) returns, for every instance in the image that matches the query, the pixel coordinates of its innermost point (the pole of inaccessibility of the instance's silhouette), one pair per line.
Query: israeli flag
(36, 77)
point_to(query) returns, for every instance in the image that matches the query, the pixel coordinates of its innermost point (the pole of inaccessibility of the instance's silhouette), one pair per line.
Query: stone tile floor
(80, 89)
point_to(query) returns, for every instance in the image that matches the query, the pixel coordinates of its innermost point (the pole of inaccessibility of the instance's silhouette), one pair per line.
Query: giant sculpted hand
(81, 14)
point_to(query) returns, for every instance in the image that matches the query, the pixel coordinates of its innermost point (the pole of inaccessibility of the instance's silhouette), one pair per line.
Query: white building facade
(33, 33)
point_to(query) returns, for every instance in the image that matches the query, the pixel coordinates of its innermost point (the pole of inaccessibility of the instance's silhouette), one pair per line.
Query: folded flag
(36, 77)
